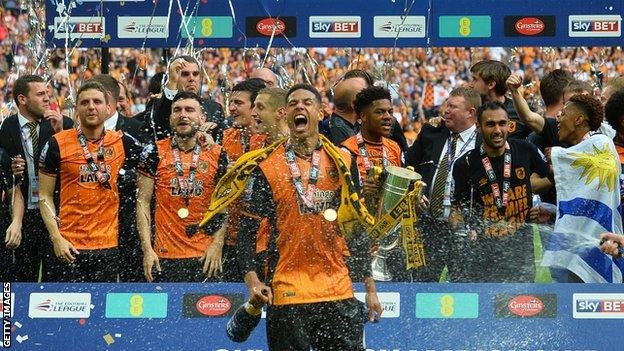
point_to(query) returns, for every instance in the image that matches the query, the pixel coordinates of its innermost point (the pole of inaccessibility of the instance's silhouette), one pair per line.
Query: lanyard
(244, 142)
(98, 169)
(500, 202)
(307, 196)
(185, 184)
(364, 154)
(451, 154)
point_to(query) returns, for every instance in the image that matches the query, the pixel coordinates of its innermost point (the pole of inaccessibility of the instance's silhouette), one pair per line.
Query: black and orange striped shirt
(305, 251)
(157, 161)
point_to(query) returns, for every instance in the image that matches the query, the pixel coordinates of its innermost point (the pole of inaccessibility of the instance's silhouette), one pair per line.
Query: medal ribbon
(244, 142)
(501, 202)
(307, 196)
(99, 169)
(185, 184)
(364, 154)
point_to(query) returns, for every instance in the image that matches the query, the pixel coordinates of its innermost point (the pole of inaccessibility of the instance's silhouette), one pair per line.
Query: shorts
(332, 325)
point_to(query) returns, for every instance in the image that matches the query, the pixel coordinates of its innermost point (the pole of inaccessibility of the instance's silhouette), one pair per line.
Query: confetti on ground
(18, 324)
(82, 321)
(108, 339)
(92, 306)
(20, 338)
(118, 335)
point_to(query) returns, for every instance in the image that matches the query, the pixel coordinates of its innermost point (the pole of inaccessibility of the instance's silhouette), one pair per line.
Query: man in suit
(22, 136)
(432, 156)
(184, 75)
(130, 254)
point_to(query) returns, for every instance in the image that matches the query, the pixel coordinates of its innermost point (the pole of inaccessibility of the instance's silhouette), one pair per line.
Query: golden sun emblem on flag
(601, 165)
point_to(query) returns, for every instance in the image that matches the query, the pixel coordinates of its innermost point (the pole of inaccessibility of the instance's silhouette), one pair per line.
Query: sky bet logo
(335, 27)
(598, 306)
(595, 26)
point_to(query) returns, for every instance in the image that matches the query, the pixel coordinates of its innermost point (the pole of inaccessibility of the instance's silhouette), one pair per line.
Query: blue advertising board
(330, 23)
(419, 317)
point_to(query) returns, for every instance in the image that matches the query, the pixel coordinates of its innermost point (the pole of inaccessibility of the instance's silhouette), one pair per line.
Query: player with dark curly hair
(581, 114)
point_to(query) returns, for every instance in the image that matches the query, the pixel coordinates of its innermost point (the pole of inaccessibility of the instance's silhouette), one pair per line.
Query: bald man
(266, 75)
(343, 123)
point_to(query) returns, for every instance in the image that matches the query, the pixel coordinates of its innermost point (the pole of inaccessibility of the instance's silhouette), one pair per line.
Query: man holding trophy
(375, 154)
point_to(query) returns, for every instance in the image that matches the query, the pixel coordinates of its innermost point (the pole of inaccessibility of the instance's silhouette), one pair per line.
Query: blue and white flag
(588, 204)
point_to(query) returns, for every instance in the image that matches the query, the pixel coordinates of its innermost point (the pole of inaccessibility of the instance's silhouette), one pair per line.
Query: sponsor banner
(207, 305)
(595, 26)
(530, 26)
(263, 26)
(404, 27)
(598, 306)
(142, 27)
(59, 305)
(79, 27)
(335, 27)
(390, 303)
(465, 27)
(209, 27)
(136, 305)
(447, 305)
(527, 306)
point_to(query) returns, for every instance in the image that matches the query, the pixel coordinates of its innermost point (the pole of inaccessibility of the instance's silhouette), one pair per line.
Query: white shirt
(111, 122)
(32, 203)
(169, 94)
(461, 148)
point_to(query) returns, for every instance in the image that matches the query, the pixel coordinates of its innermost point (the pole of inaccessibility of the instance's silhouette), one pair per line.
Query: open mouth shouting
(301, 123)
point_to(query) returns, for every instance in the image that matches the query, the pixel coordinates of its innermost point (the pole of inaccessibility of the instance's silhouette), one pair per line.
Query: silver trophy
(395, 186)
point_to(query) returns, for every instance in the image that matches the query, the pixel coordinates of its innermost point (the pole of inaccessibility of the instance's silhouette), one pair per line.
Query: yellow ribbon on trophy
(404, 213)
(351, 211)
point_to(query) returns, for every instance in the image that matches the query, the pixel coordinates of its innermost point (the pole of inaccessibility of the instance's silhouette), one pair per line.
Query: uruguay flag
(588, 195)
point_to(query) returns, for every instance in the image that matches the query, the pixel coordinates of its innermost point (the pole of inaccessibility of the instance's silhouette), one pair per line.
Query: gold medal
(183, 212)
(330, 214)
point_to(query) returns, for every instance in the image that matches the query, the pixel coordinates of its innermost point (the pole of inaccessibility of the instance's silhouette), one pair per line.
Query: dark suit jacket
(424, 154)
(133, 127)
(11, 141)
(162, 111)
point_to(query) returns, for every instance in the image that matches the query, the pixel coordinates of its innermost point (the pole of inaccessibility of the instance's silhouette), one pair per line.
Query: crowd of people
(283, 193)
(211, 167)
